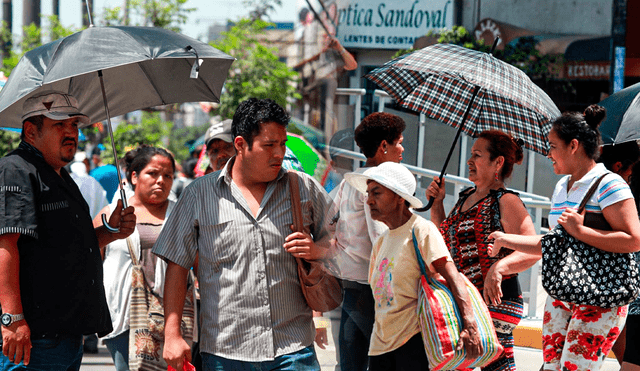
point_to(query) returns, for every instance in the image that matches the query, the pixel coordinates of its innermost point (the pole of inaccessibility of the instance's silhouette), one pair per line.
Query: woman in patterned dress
(577, 336)
(480, 210)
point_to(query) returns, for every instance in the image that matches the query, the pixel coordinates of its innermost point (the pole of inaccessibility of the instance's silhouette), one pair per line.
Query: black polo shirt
(60, 265)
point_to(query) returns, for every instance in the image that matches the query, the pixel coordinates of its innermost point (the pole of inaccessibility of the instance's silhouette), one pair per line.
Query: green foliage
(169, 14)
(261, 8)
(402, 52)
(127, 136)
(31, 38)
(8, 142)
(180, 141)
(459, 35)
(522, 55)
(257, 71)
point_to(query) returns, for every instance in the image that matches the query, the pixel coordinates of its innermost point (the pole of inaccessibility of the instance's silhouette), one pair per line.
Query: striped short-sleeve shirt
(612, 189)
(252, 307)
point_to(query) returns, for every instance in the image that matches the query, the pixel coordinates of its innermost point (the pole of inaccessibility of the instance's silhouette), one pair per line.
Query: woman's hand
(492, 292)
(498, 242)
(470, 341)
(436, 189)
(571, 221)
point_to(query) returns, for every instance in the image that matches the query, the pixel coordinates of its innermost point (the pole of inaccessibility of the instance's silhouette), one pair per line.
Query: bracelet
(320, 322)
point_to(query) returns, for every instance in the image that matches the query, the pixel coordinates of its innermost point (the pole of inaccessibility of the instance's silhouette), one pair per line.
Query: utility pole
(85, 14)
(618, 39)
(56, 8)
(31, 12)
(7, 18)
(125, 14)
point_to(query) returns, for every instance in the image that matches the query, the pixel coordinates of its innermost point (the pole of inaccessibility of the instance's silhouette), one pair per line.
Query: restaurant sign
(575, 70)
(388, 24)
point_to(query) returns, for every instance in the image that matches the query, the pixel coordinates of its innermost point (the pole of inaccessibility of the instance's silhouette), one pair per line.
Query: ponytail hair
(582, 127)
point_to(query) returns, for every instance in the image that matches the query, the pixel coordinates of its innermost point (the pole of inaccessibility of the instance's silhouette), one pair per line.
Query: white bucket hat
(393, 176)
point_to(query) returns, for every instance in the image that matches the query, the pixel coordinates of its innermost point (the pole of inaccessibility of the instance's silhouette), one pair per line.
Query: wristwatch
(7, 319)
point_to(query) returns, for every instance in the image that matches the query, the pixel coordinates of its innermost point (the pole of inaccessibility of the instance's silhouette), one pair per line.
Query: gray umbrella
(115, 70)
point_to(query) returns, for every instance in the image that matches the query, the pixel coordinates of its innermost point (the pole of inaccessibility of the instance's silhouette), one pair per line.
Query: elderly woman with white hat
(396, 343)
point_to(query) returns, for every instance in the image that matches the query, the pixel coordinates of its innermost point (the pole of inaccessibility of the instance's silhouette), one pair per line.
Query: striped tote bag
(441, 323)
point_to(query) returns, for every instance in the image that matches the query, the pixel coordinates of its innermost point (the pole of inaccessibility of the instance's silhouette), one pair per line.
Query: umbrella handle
(106, 225)
(431, 199)
(105, 222)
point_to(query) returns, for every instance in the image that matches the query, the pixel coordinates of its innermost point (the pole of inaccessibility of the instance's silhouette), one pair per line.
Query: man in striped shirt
(237, 223)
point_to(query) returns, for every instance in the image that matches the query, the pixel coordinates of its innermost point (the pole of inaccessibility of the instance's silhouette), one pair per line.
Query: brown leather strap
(296, 207)
(589, 193)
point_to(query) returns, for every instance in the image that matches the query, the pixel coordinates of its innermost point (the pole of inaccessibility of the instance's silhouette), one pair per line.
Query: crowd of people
(64, 275)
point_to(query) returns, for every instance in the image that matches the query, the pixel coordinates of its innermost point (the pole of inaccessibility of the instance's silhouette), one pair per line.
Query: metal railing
(535, 204)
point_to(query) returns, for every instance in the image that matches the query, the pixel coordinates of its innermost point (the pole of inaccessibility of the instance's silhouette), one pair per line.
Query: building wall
(586, 17)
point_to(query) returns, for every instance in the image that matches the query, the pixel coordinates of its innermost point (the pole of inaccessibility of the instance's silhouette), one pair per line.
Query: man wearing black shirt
(51, 289)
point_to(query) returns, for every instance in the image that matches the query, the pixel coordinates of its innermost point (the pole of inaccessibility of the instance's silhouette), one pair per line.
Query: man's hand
(17, 342)
(301, 245)
(321, 338)
(123, 219)
(176, 351)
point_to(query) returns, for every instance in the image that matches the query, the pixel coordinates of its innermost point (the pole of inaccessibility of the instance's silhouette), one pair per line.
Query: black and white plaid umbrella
(471, 91)
(440, 81)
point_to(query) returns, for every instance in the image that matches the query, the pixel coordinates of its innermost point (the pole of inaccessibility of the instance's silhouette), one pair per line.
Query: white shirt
(91, 190)
(612, 189)
(355, 233)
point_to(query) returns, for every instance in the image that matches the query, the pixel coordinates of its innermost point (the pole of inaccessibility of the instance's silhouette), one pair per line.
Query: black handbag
(575, 272)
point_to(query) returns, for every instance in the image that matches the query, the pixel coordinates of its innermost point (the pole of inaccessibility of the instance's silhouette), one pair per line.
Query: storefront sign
(587, 70)
(388, 24)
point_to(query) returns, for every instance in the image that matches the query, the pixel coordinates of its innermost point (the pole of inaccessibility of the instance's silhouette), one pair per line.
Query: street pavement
(527, 359)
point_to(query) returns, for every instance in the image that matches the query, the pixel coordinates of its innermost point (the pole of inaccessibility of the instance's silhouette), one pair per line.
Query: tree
(151, 130)
(169, 14)
(8, 142)
(31, 39)
(261, 8)
(257, 71)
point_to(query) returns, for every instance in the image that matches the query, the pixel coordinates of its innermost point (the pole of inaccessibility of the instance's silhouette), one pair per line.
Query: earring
(385, 152)
(497, 176)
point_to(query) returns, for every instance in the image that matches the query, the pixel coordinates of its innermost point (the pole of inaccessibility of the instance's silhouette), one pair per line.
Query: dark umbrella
(115, 70)
(622, 122)
(471, 91)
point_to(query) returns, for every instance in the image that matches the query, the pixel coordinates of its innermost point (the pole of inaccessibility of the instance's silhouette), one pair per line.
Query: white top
(91, 190)
(355, 233)
(612, 189)
(117, 267)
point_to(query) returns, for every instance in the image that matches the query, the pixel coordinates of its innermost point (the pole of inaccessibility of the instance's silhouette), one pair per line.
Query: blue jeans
(61, 353)
(119, 349)
(356, 326)
(302, 360)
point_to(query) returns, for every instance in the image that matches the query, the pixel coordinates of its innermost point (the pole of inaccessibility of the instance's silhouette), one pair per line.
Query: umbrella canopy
(115, 70)
(445, 81)
(142, 67)
(622, 123)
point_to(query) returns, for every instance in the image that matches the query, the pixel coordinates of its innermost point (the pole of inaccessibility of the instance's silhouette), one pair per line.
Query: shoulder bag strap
(296, 207)
(134, 260)
(590, 192)
(423, 268)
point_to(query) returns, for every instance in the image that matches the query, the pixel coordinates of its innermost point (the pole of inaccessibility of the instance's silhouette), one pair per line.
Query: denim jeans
(302, 360)
(356, 325)
(60, 353)
(119, 349)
